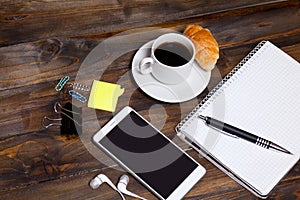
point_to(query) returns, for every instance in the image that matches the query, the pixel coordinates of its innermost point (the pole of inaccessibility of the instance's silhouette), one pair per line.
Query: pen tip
(286, 151)
(290, 153)
(279, 148)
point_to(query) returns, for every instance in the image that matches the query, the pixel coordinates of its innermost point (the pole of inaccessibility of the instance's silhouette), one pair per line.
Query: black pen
(236, 132)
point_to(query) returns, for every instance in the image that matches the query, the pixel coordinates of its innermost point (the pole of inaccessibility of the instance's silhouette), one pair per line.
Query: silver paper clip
(79, 86)
(61, 83)
(77, 96)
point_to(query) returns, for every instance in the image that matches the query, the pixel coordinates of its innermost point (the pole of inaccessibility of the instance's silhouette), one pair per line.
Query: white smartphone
(148, 155)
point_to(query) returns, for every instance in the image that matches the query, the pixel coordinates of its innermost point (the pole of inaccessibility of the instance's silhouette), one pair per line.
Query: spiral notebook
(260, 95)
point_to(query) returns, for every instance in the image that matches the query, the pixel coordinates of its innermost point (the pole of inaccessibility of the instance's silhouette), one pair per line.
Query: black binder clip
(70, 121)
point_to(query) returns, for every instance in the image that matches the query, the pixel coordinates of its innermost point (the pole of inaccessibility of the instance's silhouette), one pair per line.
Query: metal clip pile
(75, 86)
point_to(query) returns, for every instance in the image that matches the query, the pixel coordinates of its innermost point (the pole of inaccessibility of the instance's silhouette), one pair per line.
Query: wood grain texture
(52, 39)
(215, 185)
(30, 20)
(47, 60)
(29, 71)
(50, 156)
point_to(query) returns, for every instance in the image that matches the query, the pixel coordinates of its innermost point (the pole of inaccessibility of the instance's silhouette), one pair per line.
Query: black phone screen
(148, 154)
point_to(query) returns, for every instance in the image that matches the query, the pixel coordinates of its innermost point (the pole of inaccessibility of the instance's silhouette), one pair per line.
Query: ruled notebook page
(263, 98)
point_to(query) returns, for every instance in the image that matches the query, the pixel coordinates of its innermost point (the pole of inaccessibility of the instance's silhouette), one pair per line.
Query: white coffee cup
(165, 73)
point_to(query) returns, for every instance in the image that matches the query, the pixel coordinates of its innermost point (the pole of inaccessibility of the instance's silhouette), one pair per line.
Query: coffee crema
(172, 54)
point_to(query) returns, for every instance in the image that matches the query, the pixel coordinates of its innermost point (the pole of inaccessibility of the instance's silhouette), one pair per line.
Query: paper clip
(77, 96)
(79, 86)
(61, 83)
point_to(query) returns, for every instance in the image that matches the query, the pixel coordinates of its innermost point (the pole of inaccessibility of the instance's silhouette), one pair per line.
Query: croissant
(207, 49)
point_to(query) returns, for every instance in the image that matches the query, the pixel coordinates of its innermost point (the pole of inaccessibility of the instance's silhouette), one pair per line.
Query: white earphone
(101, 178)
(124, 180)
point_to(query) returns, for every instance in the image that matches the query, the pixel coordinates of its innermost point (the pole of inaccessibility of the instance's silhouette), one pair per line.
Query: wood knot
(50, 48)
(15, 17)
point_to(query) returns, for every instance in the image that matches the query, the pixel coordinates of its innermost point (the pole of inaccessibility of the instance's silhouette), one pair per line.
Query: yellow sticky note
(104, 96)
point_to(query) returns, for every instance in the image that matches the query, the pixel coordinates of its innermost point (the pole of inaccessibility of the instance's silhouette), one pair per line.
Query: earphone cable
(123, 198)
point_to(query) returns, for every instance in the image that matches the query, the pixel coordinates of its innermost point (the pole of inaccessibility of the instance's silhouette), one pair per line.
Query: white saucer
(190, 88)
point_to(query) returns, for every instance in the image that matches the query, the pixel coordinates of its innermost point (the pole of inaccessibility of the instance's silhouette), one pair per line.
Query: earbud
(99, 179)
(123, 182)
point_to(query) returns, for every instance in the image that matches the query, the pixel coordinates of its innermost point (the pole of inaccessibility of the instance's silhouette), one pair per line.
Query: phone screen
(148, 154)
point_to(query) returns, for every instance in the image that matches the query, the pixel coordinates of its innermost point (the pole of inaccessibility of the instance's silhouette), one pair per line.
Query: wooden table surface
(43, 41)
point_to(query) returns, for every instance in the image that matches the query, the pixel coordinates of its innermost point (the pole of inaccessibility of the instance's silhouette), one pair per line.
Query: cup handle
(145, 66)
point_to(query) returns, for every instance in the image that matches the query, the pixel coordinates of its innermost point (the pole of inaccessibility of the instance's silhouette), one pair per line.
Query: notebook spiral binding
(215, 91)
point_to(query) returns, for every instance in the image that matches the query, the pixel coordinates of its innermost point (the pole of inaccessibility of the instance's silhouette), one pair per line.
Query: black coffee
(172, 54)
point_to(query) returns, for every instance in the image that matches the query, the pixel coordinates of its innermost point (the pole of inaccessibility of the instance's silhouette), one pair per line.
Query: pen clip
(224, 132)
(230, 135)
(202, 118)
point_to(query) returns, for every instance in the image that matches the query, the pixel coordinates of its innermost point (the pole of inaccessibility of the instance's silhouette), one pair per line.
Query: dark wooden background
(42, 41)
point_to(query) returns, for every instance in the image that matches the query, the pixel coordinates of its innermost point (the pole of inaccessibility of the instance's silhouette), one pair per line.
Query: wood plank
(41, 61)
(214, 185)
(31, 20)
(39, 157)
(241, 27)
(293, 49)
